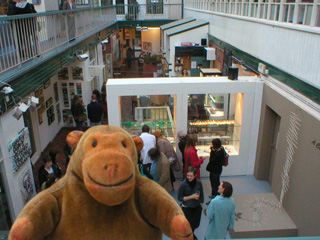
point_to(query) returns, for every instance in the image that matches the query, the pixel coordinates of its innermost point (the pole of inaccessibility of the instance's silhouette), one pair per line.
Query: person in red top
(191, 156)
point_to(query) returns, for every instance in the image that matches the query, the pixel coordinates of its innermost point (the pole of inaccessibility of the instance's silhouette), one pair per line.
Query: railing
(25, 37)
(297, 12)
(149, 11)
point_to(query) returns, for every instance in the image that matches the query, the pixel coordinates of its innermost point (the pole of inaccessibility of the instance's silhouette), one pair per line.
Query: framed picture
(39, 94)
(27, 187)
(58, 112)
(77, 73)
(63, 74)
(40, 119)
(147, 46)
(47, 84)
(50, 115)
(19, 149)
(56, 92)
(67, 117)
(49, 102)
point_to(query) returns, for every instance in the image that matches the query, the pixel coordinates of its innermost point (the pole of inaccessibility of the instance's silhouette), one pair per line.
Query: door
(5, 219)
(274, 125)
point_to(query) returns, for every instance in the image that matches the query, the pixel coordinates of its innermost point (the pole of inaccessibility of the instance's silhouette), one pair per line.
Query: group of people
(159, 160)
(96, 110)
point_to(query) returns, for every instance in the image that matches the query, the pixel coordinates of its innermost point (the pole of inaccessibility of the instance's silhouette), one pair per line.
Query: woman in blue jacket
(221, 212)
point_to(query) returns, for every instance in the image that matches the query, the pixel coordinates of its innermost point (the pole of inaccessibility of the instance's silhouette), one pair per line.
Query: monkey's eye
(94, 143)
(124, 144)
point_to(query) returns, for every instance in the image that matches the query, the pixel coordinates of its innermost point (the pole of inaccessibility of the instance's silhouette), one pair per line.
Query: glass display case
(214, 116)
(156, 111)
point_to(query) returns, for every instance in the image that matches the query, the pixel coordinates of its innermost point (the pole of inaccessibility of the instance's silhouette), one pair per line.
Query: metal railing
(297, 12)
(149, 11)
(28, 36)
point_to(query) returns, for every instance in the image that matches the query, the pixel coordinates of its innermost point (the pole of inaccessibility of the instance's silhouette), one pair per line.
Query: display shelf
(204, 151)
(226, 130)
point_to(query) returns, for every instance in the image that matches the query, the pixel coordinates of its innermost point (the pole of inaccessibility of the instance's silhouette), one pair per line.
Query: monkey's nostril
(106, 167)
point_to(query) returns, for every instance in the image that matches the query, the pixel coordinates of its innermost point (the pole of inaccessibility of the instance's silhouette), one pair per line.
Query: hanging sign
(96, 71)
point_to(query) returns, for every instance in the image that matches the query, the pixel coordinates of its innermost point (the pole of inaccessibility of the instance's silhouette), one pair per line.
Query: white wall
(153, 36)
(9, 128)
(292, 48)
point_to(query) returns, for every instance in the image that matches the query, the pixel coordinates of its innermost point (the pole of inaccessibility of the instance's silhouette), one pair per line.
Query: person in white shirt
(149, 141)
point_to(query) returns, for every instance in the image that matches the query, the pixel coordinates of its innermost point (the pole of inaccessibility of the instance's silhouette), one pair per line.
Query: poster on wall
(50, 115)
(67, 117)
(47, 84)
(58, 112)
(39, 94)
(56, 93)
(79, 89)
(77, 73)
(19, 149)
(147, 46)
(26, 184)
(40, 119)
(63, 74)
(72, 90)
(49, 102)
(65, 95)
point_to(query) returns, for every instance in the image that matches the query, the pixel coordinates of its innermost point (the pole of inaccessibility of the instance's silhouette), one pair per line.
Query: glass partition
(216, 116)
(156, 111)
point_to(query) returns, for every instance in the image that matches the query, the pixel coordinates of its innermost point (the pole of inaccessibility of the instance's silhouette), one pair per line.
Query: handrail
(295, 13)
(28, 36)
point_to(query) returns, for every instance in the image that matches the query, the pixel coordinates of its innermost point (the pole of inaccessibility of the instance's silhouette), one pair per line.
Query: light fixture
(20, 110)
(144, 28)
(7, 89)
(105, 41)
(82, 57)
(32, 102)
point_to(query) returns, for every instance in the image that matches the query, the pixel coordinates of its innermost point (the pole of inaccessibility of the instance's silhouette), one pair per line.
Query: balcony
(303, 13)
(43, 35)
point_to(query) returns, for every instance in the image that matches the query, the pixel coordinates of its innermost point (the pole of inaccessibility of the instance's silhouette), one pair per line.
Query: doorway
(269, 144)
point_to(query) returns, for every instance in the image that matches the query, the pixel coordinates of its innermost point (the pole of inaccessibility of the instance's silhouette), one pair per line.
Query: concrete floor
(241, 185)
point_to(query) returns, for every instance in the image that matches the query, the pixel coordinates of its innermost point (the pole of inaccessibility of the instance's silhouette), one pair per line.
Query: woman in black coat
(217, 155)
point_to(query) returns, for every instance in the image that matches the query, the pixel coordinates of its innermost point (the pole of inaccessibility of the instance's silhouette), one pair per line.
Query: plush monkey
(102, 196)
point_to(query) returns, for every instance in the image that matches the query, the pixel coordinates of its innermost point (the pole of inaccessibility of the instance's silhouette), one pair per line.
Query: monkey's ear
(138, 142)
(73, 138)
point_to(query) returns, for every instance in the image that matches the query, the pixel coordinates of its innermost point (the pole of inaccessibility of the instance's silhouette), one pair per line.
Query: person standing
(26, 28)
(191, 156)
(46, 169)
(78, 112)
(221, 213)
(149, 141)
(70, 5)
(129, 56)
(95, 111)
(217, 155)
(182, 145)
(160, 169)
(190, 193)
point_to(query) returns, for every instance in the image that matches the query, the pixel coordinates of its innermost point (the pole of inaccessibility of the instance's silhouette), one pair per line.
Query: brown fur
(82, 205)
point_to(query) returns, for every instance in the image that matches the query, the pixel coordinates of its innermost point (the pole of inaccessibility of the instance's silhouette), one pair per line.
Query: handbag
(209, 166)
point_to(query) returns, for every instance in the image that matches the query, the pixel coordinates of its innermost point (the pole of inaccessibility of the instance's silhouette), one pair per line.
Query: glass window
(154, 6)
(216, 116)
(120, 9)
(156, 111)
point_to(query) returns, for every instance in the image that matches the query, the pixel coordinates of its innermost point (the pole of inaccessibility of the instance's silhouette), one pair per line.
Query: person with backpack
(217, 155)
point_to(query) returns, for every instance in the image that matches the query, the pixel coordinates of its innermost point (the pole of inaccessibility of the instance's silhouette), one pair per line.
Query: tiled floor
(241, 185)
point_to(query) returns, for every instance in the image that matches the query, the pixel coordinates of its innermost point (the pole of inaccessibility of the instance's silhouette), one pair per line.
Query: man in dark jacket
(95, 111)
(182, 144)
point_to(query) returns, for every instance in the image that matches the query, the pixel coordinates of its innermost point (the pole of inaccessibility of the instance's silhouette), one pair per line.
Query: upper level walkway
(27, 40)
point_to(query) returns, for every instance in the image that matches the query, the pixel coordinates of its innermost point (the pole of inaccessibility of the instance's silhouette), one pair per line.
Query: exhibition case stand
(244, 113)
